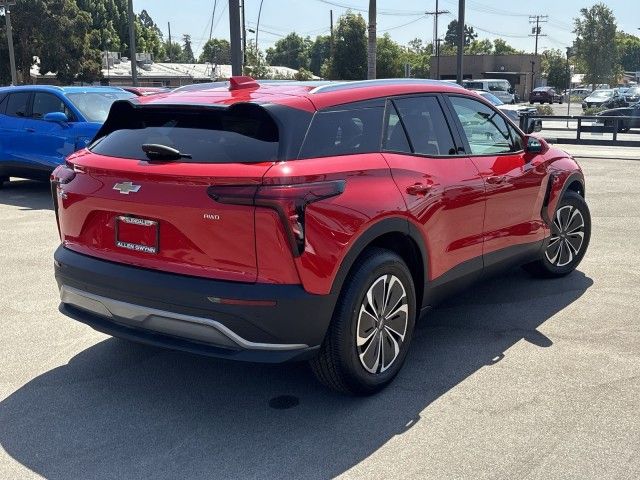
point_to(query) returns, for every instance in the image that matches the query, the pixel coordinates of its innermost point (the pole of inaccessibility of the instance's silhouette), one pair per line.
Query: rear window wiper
(156, 151)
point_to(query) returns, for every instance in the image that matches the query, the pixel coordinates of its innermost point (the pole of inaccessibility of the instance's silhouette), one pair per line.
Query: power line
(400, 13)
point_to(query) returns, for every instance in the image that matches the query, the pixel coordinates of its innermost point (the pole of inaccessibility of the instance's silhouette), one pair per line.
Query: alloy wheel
(567, 236)
(382, 324)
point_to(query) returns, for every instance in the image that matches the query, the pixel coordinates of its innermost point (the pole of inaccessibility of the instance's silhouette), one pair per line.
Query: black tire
(561, 101)
(551, 264)
(338, 364)
(530, 102)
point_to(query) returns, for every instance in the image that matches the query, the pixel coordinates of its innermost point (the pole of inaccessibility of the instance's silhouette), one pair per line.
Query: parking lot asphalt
(515, 378)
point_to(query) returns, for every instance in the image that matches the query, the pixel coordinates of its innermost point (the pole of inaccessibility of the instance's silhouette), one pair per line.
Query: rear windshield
(240, 134)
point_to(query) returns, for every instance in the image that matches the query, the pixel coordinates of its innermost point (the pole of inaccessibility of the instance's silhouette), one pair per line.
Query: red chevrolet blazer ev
(305, 220)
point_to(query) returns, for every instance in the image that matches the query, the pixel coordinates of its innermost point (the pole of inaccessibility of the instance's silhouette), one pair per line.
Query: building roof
(52, 88)
(186, 71)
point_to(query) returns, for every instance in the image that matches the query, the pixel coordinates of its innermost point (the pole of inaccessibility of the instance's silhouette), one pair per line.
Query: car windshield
(492, 98)
(540, 89)
(95, 106)
(602, 93)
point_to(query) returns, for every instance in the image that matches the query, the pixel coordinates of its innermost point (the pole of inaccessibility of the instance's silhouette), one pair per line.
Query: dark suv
(304, 221)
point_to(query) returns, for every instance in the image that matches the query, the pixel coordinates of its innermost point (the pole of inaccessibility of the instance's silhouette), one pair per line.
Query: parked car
(41, 125)
(545, 95)
(143, 91)
(302, 221)
(623, 125)
(609, 98)
(632, 95)
(514, 112)
(578, 92)
(500, 87)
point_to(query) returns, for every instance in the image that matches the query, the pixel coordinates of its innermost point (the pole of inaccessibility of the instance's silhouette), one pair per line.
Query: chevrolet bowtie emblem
(126, 187)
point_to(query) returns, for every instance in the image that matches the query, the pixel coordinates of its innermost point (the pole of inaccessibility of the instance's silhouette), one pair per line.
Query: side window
(486, 131)
(17, 104)
(44, 103)
(344, 132)
(395, 138)
(3, 103)
(516, 139)
(426, 126)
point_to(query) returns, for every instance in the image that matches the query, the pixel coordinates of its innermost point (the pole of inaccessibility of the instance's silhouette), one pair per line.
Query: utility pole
(460, 41)
(536, 32)
(235, 37)
(258, 31)
(436, 44)
(371, 44)
(244, 37)
(213, 17)
(132, 44)
(170, 54)
(12, 59)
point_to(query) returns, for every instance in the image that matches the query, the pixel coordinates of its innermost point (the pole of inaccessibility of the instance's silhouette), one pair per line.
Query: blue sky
(403, 20)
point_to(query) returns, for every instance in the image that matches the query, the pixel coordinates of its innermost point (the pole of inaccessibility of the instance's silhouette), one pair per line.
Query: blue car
(41, 125)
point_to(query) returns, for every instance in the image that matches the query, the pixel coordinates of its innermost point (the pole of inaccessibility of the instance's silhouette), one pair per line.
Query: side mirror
(534, 145)
(510, 90)
(56, 117)
(533, 125)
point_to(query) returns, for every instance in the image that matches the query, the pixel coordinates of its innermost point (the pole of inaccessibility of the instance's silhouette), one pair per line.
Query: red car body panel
(450, 214)
(461, 214)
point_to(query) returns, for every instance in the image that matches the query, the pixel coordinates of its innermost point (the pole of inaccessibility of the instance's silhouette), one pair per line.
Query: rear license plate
(138, 234)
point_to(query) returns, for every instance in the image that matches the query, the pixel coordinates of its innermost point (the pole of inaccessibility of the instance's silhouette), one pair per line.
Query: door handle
(30, 130)
(496, 179)
(418, 189)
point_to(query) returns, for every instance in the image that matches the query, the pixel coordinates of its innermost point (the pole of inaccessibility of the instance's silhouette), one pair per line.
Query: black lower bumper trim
(175, 343)
(281, 314)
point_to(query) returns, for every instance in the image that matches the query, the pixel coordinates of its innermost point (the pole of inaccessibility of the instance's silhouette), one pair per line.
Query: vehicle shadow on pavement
(27, 194)
(121, 410)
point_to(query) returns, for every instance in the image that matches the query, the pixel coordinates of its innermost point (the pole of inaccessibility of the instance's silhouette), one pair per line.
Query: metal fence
(599, 124)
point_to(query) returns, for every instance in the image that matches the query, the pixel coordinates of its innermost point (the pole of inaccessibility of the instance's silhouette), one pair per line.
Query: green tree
(349, 60)
(216, 51)
(479, 47)
(554, 66)
(319, 52)
(501, 47)
(187, 51)
(389, 58)
(256, 65)
(451, 37)
(629, 48)
(595, 45)
(418, 56)
(172, 51)
(149, 36)
(71, 58)
(291, 51)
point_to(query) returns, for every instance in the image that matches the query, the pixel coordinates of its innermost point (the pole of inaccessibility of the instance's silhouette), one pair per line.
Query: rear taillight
(62, 175)
(289, 201)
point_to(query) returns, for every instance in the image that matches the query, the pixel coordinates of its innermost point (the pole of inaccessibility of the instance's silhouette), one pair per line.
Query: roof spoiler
(239, 82)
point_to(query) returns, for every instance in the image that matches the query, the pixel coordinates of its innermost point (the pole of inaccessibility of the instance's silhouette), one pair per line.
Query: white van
(500, 87)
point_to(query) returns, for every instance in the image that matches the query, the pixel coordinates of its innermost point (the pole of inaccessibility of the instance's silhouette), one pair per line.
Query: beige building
(517, 69)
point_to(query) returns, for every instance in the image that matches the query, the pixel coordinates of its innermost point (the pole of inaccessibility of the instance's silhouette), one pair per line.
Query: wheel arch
(395, 234)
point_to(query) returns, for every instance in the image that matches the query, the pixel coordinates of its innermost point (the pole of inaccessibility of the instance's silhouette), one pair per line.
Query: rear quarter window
(239, 134)
(344, 132)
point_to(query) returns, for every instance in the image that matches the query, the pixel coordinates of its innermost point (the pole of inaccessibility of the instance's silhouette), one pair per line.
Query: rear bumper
(252, 322)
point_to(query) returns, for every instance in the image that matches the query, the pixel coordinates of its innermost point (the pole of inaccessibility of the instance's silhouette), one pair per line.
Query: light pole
(257, 32)
(12, 58)
(132, 44)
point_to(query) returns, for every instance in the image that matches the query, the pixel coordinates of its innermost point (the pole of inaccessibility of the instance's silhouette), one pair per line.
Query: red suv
(305, 221)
